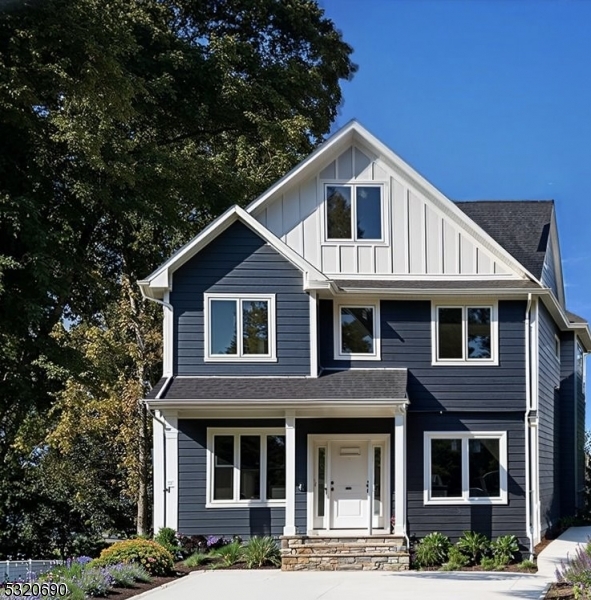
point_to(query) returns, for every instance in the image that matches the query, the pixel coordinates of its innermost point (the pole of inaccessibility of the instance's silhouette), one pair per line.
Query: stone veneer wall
(302, 553)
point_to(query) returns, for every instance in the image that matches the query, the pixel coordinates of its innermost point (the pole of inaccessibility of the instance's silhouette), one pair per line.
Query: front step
(369, 553)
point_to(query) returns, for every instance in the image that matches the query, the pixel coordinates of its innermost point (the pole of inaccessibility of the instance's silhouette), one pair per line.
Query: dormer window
(354, 212)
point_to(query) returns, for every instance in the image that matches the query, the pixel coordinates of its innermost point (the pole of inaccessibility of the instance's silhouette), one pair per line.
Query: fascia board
(559, 315)
(520, 292)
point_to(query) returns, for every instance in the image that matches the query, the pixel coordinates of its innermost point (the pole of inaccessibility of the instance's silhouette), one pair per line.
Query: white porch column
(158, 471)
(171, 486)
(290, 442)
(400, 472)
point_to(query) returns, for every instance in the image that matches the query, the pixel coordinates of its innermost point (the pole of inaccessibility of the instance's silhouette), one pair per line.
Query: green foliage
(455, 560)
(166, 537)
(146, 553)
(197, 559)
(229, 554)
(527, 565)
(432, 550)
(125, 575)
(473, 545)
(261, 551)
(125, 131)
(504, 549)
(488, 563)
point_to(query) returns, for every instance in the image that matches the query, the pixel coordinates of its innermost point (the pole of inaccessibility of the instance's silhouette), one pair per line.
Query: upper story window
(465, 335)
(354, 212)
(240, 328)
(580, 364)
(357, 332)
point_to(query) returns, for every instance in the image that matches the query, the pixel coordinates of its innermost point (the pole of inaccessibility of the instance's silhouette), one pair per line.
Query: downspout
(528, 395)
(159, 395)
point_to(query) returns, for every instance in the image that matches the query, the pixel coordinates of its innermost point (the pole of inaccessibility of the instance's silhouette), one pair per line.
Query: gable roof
(521, 226)
(158, 282)
(353, 133)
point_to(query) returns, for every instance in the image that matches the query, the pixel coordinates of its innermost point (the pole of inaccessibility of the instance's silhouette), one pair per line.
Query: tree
(127, 126)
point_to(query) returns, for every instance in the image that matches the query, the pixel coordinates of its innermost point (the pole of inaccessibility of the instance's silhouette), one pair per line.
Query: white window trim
(255, 358)
(355, 184)
(338, 354)
(237, 432)
(465, 437)
(457, 362)
(557, 347)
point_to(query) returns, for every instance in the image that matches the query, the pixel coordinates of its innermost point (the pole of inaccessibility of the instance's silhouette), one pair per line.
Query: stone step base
(349, 562)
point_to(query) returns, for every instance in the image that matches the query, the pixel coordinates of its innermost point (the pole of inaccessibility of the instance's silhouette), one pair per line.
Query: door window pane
(255, 327)
(357, 330)
(377, 480)
(450, 333)
(484, 465)
(275, 467)
(479, 333)
(321, 481)
(250, 467)
(223, 479)
(338, 212)
(369, 213)
(446, 468)
(223, 327)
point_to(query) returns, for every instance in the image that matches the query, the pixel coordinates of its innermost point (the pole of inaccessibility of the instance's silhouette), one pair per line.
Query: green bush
(504, 549)
(125, 575)
(156, 559)
(229, 554)
(259, 552)
(474, 545)
(197, 559)
(455, 560)
(488, 564)
(432, 550)
(166, 537)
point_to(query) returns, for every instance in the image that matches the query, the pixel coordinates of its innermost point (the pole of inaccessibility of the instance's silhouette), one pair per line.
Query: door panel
(349, 477)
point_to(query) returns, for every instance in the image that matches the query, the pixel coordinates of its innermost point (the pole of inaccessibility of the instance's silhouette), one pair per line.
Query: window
(246, 466)
(557, 347)
(464, 334)
(239, 328)
(353, 212)
(356, 332)
(465, 468)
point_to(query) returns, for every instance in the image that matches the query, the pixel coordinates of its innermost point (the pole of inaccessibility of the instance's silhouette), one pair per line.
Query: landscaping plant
(474, 545)
(455, 560)
(167, 538)
(432, 550)
(261, 551)
(156, 559)
(577, 571)
(504, 549)
(229, 554)
(197, 559)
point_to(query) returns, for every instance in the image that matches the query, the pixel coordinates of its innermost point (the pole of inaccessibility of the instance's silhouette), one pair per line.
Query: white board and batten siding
(419, 239)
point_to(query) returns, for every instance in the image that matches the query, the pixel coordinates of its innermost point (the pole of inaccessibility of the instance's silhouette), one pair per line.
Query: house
(357, 357)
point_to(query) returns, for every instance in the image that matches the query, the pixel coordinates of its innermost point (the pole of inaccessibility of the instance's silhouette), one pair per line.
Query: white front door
(349, 482)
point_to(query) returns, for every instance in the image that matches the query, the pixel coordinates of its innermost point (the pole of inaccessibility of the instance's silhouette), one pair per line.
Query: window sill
(246, 504)
(460, 501)
(239, 359)
(464, 363)
(357, 357)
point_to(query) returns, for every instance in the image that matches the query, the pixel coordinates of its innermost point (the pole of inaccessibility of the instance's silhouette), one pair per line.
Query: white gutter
(528, 393)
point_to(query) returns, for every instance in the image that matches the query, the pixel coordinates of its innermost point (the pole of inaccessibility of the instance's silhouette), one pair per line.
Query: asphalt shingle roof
(520, 226)
(378, 384)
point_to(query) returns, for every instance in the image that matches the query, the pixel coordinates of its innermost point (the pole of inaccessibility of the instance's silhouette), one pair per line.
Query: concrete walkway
(412, 585)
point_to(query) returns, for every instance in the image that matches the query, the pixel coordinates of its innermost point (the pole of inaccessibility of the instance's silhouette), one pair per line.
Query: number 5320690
(35, 589)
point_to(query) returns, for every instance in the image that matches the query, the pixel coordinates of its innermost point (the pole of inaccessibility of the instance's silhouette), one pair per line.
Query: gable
(551, 276)
(422, 235)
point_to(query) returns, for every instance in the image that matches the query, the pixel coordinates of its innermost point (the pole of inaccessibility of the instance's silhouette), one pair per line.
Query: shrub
(527, 565)
(213, 542)
(488, 564)
(261, 551)
(189, 544)
(125, 575)
(432, 550)
(504, 549)
(167, 538)
(455, 560)
(474, 545)
(147, 553)
(95, 581)
(229, 554)
(197, 559)
(577, 571)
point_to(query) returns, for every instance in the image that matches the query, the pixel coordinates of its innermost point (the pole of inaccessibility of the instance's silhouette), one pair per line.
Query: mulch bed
(562, 591)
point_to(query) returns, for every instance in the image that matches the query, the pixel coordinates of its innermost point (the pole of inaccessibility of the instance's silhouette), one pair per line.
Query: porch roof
(376, 385)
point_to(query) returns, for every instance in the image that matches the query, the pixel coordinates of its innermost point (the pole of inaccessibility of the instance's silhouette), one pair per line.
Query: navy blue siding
(568, 495)
(406, 342)
(549, 420)
(239, 261)
(549, 278)
(194, 518)
(491, 520)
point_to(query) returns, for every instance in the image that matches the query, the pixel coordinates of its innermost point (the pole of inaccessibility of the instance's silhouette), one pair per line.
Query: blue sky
(488, 99)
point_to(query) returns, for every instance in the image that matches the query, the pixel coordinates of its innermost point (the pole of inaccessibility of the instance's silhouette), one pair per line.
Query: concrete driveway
(338, 585)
